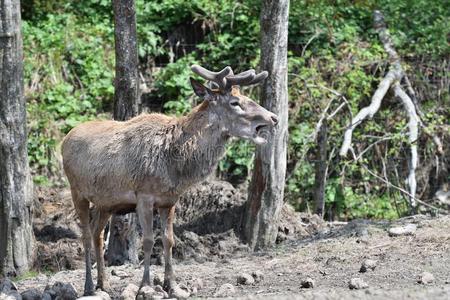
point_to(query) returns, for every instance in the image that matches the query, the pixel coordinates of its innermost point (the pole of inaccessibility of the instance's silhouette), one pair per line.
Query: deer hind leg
(98, 223)
(82, 208)
(167, 218)
(145, 212)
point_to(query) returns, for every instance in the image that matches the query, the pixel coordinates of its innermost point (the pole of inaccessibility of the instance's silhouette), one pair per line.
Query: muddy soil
(327, 254)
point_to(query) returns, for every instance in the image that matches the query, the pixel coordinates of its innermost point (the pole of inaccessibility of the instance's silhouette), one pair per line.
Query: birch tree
(16, 235)
(266, 190)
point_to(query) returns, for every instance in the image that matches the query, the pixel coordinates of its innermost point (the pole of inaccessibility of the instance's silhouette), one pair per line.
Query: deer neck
(200, 143)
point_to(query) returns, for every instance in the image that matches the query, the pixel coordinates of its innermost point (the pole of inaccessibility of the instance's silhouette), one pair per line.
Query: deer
(145, 163)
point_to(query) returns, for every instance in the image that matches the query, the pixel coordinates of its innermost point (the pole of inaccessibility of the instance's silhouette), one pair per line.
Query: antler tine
(217, 77)
(259, 77)
(241, 79)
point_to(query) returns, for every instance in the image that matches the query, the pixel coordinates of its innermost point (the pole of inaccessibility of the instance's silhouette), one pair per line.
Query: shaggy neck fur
(198, 144)
(179, 151)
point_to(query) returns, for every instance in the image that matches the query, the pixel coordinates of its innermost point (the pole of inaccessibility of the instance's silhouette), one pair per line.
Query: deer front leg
(167, 218)
(82, 209)
(98, 223)
(145, 212)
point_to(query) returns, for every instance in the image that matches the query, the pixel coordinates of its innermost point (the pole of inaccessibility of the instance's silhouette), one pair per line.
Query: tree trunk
(267, 185)
(16, 235)
(321, 170)
(123, 234)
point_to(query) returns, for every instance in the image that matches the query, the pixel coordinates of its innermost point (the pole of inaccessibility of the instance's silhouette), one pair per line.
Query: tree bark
(16, 235)
(321, 169)
(267, 185)
(123, 234)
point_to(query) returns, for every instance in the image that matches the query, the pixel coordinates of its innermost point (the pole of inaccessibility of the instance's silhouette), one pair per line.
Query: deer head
(236, 114)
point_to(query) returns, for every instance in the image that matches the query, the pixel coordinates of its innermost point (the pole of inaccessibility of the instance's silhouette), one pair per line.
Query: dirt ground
(329, 254)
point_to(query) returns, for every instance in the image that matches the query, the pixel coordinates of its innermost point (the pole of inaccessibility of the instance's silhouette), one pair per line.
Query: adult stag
(147, 162)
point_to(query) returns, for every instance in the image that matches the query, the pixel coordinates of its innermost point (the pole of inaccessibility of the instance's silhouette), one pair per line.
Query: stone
(308, 283)
(31, 294)
(159, 291)
(409, 229)
(426, 278)
(368, 264)
(60, 291)
(357, 284)
(130, 292)
(179, 293)
(145, 293)
(7, 285)
(245, 279)
(258, 276)
(225, 290)
(12, 295)
(158, 279)
(196, 285)
(121, 274)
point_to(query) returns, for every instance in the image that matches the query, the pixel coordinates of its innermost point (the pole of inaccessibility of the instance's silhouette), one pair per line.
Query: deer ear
(200, 90)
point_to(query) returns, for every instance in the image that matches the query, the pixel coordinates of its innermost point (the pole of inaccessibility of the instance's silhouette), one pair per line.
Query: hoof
(105, 287)
(89, 292)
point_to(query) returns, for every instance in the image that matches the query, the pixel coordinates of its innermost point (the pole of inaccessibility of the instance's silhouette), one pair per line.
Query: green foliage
(335, 59)
(173, 85)
(68, 71)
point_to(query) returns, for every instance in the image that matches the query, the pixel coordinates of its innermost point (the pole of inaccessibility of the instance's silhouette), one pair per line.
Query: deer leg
(82, 209)
(145, 213)
(167, 217)
(98, 223)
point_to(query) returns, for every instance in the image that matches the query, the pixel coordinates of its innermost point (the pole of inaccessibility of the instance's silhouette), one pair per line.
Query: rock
(145, 293)
(103, 295)
(363, 239)
(225, 290)
(357, 284)
(130, 292)
(158, 279)
(159, 291)
(258, 276)
(409, 229)
(179, 293)
(99, 295)
(31, 294)
(308, 283)
(6, 285)
(12, 295)
(245, 279)
(426, 278)
(192, 237)
(368, 264)
(8, 290)
(196, 285)
(61, 291)
(120, 273)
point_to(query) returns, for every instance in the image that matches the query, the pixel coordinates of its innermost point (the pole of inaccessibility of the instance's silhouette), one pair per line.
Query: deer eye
(234, 103)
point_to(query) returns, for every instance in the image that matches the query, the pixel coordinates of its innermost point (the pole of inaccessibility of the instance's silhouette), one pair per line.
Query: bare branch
(370, 110)
(401, 190)
(413, 126)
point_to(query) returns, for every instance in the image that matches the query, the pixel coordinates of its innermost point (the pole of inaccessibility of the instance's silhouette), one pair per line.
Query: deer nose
(274, 119)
